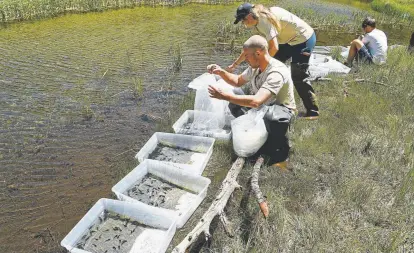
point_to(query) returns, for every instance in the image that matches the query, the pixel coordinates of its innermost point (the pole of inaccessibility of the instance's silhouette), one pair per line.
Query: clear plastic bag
(204, 103)
(249, 132)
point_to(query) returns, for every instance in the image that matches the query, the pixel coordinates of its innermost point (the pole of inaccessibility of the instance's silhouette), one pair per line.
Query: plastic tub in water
(184, 125)
(124, 227)
(190, 153)
(158, 184)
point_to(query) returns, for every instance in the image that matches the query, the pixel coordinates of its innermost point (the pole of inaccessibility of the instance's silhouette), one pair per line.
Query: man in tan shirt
(270, 84)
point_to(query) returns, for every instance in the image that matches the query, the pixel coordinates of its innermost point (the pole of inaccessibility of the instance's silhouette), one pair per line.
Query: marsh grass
(137, 86)
(177, 58)
(86, 109)
(400, 8)
(351, 188)
(18, 10)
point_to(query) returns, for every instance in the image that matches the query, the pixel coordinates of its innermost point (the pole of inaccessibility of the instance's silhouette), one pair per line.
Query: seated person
(373, 46)
(270, 84)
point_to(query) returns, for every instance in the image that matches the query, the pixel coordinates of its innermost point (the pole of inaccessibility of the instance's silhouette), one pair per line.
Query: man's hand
(214, 69)
(218, 93)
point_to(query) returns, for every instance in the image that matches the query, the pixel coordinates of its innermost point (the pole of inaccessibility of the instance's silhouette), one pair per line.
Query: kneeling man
(269, 83)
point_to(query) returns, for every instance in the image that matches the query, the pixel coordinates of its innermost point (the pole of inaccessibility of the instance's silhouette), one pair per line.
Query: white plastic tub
(199, 150)
(155, 238)
(188, 117)
(182, 206)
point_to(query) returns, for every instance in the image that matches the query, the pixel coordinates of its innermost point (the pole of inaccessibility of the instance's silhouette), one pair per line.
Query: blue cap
(242, 11)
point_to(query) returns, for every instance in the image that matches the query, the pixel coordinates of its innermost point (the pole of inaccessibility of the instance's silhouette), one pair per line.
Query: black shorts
(364, 55)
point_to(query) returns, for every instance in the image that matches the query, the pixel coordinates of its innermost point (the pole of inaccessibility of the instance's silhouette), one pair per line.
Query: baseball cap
(242, 11)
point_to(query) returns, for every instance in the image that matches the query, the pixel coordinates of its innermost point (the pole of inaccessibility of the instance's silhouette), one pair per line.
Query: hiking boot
(310, 115)
(283, 166)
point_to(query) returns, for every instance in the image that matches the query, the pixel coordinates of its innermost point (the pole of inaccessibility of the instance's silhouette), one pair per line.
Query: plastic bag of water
(249, 132)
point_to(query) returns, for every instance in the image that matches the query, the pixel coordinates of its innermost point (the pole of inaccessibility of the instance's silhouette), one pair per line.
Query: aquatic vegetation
(400, 8)
(177, 58)
(138, 87)
(18, 10)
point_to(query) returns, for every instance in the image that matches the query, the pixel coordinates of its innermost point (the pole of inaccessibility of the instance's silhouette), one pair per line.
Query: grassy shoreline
(403, 8)
(352, 184)
(21, 10)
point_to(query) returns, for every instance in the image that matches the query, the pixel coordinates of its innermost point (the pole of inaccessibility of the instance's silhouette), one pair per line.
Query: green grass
(18, 10)
(398, 8)
(403, 8)
(352, 184)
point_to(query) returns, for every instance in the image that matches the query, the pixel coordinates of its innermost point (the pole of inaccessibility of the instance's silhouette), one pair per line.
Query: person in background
(289, 37)
(270, 83)
(373, 46)
(411, 45)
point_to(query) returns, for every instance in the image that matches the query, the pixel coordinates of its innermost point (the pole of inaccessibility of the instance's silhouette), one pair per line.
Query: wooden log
(216, 208)
(361, 80)
(261, 200)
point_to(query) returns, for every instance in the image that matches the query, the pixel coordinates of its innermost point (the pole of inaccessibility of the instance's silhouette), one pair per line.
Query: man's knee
(236, 110)
(357, 43)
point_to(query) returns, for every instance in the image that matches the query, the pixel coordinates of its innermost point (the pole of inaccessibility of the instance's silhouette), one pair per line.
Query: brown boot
(283, 166)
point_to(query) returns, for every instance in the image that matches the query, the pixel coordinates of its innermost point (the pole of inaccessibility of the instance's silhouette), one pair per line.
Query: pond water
(77, 96)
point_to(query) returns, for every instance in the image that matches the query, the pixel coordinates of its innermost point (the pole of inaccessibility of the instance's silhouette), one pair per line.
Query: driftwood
(317, 79)
(217, 208)
(261, 200)
(359, 80)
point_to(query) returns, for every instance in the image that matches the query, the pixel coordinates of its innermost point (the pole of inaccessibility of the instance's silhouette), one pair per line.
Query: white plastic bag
(204, 103)
(202, 80)
(217, 108)
(249, 132)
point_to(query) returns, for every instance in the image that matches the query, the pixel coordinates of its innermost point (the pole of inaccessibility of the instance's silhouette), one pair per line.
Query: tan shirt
(293, 30)
(277, 79)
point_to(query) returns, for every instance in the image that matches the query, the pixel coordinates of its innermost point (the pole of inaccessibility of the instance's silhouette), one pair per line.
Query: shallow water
(76, 98)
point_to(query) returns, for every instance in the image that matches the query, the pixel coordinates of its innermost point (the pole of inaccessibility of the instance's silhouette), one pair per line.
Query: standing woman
(288, 37)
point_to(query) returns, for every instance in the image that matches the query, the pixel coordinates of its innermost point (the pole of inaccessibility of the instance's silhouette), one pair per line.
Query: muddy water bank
(80, 95)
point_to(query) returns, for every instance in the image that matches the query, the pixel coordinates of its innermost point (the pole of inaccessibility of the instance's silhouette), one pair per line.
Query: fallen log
(254, 181)
(361, 80)
(216, 208)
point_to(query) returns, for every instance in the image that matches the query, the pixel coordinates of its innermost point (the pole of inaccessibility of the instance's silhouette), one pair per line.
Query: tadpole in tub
(117, 229)
(123, 241)
(107, 240)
